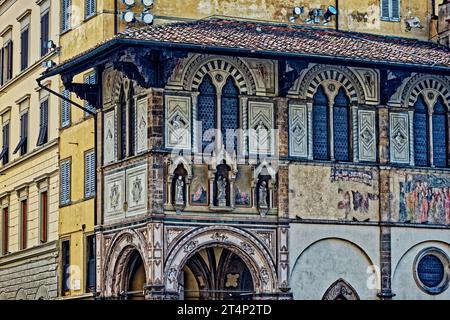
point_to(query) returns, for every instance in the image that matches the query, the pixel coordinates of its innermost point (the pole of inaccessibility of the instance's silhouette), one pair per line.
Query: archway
(216, 273)
(135, 277)
(241, 243)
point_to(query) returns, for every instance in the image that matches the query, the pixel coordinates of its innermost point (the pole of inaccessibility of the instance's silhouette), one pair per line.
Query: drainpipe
(116, 20)
(337, 15)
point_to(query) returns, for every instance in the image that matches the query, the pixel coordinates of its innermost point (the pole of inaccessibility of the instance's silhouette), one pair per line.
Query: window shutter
(9, 63)
(43, 126)
(65, 109)
(89, 175)
(5, 150)
(395, 9)
(24, 133)
(89, 79)
(385, 9)
(66, 14)
(65, 182)
(45, 29)
(24, 37)
(1, 66)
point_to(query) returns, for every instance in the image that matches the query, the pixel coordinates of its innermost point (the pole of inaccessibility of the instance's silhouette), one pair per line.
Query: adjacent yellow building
(83, 24)
(29, 188)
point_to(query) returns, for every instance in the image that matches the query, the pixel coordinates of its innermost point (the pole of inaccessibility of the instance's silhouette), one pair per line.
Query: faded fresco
(199, 185)
(339, 193)
(423, 199)
(243, 187)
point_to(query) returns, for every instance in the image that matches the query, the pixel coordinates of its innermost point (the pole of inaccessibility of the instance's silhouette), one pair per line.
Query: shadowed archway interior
(135, 279)
(216, 274)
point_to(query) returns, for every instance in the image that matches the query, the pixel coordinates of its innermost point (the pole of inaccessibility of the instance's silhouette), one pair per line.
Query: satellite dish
(129, 3)
(298, 10)
(147, 3)
(129, 16)
(331, 11)
(147, 18)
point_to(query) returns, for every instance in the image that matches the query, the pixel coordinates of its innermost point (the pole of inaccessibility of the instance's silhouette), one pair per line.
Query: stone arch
(42, 293)
(21, 295)
(340, 288)
(223, 67)
(425, 83)
(314, 269)
(118, 256)
(358, 247)
(119, 81)
(183, 161)
(307, 86)
(429, 243)
(253, 252)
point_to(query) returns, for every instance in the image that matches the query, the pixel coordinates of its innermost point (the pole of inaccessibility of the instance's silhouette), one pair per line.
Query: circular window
(431, 270)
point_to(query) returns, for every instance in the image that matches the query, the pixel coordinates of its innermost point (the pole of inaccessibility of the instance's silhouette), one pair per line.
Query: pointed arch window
(320, 126)
(440, 134)
(230, 114)
(132, 123)
(421, 140)
(122, 125)
(341, 126)
(207, 106)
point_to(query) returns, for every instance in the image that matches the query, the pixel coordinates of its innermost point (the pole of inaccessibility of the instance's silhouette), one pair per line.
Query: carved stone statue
(179, 191)
(222, 191)
(263, 195)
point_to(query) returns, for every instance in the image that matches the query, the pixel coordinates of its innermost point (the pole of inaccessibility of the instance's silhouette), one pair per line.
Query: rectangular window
(45, 31)
(23, 224)
(24, 51)
(22, 146)
(6, 62)
(66, 15)
(89, 174)
(43, 123)
(90, 8)
(5, 231)
(90, 261)
(390, 10)
(65, 182)
(4, 154)
(65, 267)
(90, 78)
(44, 217)
(65, 109)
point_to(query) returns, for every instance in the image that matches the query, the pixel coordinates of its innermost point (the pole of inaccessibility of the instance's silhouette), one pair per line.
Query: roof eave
(65, 67)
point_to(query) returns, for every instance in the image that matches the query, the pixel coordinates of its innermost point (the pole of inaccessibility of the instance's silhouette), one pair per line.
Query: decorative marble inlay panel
(114, 195)
(178, 122)
(109, 137)
(367, 135)
(399, 137)
(142, 125)
(261, 125)
(136, 190)
(298, 131)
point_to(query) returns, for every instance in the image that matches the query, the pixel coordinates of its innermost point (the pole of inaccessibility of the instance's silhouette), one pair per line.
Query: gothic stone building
(238, 160)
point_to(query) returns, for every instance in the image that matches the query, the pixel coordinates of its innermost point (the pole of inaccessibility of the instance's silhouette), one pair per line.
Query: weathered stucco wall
(339, 193)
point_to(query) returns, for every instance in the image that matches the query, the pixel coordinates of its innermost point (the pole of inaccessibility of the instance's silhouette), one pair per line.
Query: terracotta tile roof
(275, 38)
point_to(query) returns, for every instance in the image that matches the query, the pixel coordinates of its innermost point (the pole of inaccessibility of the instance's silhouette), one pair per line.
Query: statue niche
(178, 188)
(222, 186)
(263, 194)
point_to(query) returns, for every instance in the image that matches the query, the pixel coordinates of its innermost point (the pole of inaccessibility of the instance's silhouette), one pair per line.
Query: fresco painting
(242, 190)
(341, 193)
(199, 185)
(425, 199)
